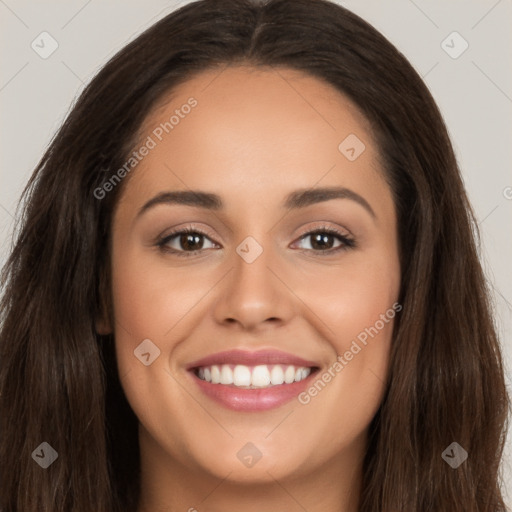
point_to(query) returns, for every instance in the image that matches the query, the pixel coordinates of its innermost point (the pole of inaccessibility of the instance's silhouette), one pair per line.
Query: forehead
(254, 129)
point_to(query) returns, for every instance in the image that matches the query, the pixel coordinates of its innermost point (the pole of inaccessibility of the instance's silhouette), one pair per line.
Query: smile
(252, 381)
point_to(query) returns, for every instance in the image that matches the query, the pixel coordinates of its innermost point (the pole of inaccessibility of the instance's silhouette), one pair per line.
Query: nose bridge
(253, 294)
(252, 279)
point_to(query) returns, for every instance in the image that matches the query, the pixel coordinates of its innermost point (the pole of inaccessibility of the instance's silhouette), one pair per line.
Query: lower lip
(251, 400)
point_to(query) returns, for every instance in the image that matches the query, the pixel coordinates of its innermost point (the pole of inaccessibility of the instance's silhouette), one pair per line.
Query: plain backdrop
(473, 91)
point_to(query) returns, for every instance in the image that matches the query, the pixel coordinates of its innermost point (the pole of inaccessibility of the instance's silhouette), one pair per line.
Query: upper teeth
(260, 376)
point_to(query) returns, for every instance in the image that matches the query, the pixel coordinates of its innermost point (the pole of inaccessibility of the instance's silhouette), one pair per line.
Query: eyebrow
(295, 200)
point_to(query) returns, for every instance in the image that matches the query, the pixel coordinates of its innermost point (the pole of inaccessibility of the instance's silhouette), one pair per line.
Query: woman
(246, 279)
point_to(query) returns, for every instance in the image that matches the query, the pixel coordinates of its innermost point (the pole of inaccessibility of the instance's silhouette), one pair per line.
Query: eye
(324, 240)
(185, 242)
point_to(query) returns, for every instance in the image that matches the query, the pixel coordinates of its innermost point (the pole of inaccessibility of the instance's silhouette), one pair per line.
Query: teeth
(289, 374)
(242, 375)
(252, 377)
(260, 376)
(226, 375)
(215, 374)
(277, 375)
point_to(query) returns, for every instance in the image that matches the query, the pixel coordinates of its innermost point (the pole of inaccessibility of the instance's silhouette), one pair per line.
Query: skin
(255, 136)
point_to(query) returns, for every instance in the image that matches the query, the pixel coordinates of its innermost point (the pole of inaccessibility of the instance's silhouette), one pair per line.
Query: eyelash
(347, 242)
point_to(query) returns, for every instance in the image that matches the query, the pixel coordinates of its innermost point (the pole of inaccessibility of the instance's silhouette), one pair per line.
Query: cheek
(352, 297)
(152, 303)
(149, 299)
(142, 308)
(157, 302)
(358, 304)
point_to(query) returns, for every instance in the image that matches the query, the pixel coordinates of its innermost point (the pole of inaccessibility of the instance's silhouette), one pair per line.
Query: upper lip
(251, 358)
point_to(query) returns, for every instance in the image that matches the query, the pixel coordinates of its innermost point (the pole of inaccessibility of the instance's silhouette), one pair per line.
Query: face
(255, 345)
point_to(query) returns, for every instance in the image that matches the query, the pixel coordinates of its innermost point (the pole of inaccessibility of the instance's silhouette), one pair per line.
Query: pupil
(188, 240)
(321, 240)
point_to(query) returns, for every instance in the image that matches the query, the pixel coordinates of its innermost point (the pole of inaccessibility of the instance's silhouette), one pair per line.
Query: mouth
(252, 381)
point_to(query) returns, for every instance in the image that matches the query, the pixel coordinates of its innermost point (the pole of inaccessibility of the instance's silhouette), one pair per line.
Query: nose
(255, 295)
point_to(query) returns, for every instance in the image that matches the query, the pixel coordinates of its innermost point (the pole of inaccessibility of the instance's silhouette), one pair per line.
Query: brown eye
(191, 242)
(185, 241)
(327, 241)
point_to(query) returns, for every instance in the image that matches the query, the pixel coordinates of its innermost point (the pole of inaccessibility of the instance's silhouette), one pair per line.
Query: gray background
(473, 91)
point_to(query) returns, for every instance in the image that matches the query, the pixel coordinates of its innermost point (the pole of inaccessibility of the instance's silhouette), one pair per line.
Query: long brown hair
(59, 381)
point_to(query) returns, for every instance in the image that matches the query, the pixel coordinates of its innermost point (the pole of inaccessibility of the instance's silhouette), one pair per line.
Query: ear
(103, 326)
